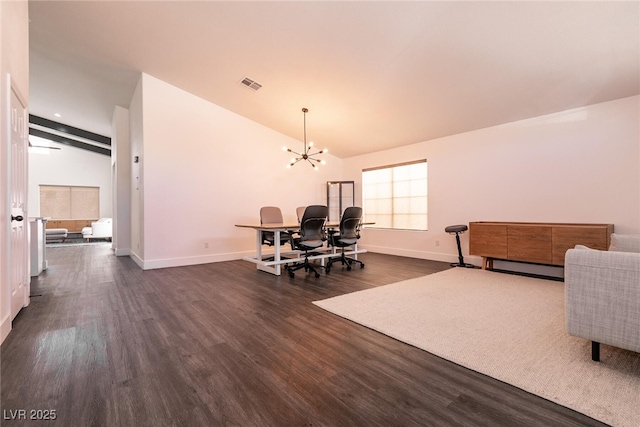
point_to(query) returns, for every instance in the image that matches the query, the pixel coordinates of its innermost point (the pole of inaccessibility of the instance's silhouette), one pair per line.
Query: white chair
(100, 229)
(272, 215)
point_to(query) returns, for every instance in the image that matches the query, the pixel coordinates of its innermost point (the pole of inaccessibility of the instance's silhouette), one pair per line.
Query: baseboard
(432, 256)
(5, 328)
(122, 252)
(136, 259)
(195, 260)
(206, 259)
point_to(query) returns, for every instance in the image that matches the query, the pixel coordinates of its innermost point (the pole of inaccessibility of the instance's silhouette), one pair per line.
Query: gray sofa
(602, 294)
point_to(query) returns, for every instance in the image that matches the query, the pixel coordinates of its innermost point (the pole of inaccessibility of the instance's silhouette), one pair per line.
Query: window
(66, 202)
(395, 196)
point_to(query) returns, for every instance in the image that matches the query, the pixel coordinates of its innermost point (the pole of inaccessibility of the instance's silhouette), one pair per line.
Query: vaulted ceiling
(373, 75)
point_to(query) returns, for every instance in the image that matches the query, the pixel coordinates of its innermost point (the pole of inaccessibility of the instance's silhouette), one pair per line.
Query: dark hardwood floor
(104, 343)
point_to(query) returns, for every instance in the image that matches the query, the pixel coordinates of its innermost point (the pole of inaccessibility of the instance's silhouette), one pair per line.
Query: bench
(53, 234)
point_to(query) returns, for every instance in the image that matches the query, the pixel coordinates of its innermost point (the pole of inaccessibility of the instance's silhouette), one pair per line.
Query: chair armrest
(101, 229)
(331, 235)
(294, 238)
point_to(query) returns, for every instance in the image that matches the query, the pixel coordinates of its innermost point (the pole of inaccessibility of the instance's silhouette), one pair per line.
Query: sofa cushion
(625, 243)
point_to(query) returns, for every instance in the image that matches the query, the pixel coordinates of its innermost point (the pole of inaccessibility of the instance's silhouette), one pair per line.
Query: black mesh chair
(312, 236)
(348, 236)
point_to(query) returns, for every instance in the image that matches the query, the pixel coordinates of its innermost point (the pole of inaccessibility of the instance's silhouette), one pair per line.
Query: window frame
(393, 201)
(78, 201)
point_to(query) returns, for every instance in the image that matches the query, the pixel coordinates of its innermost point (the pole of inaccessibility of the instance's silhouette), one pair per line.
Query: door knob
(17, 218)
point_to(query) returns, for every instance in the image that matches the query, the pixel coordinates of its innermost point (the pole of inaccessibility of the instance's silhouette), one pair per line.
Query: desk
(275, 266)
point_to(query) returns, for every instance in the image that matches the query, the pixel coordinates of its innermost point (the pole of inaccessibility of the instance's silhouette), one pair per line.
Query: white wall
(68, 166)
(121, 184)
(14, 61)
(206, 169)
(136, 137)
(203, 169)
(581, 165)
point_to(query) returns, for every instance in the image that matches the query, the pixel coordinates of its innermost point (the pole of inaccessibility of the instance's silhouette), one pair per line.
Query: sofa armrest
(101, 229)
(602, 296)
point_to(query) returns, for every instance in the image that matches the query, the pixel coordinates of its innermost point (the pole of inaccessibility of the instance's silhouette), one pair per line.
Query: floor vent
(251, 84)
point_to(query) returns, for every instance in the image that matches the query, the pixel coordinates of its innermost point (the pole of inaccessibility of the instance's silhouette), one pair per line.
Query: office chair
(272, 215)
(348, 236)
(312, 236)
(299, 212)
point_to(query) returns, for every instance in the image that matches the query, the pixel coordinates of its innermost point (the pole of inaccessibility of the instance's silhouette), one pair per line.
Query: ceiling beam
(70, 130)
(68, 141)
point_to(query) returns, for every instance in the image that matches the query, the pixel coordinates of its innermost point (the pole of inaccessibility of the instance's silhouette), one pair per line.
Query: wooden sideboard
(72, 225)
(533, 242)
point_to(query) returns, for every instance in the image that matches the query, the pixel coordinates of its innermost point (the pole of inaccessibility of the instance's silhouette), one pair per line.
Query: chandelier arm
(306, 154)
(290, 164)
(289, 150)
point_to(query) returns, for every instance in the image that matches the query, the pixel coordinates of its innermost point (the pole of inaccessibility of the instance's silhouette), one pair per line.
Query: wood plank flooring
(107, 344)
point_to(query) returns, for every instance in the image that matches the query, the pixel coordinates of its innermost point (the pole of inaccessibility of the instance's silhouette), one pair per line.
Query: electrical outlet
(206, 245)
(437, 242)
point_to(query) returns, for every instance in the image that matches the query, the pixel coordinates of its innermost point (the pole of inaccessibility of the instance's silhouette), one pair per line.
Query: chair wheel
(327, 270)
(362, 265)
(317, 275)
(348, 267)
(292, 274)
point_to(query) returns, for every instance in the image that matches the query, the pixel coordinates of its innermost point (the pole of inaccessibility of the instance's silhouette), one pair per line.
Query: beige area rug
(505, 326)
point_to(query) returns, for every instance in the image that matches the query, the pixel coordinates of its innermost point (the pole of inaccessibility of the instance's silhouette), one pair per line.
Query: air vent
(251, 84)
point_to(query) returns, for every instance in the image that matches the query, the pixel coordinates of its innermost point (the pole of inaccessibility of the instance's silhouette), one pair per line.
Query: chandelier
(306, 154)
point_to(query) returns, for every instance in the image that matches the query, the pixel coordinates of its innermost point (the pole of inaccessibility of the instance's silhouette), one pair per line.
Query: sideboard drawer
(539, 243)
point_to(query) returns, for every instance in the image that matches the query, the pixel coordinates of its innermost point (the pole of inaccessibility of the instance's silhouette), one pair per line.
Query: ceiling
(374, 75)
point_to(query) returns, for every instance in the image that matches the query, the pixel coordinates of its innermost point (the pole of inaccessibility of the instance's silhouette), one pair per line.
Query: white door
(19, 256)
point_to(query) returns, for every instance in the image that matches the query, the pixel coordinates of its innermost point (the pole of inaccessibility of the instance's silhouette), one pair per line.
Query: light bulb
(289, 166)
(322, 162)
(292, 160)
(326, 150)
(310, 143)
(284, 148)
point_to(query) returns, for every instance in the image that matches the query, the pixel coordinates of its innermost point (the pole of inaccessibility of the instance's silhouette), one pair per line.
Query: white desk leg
(275, 269)
(259, 245)
(276, 256)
